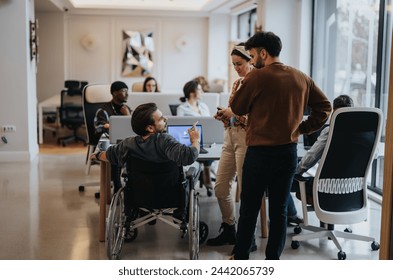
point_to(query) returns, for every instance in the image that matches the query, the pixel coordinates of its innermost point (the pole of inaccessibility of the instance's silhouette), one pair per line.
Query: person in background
(232, 154)
(314, 154)
(192, 106)
(150, 85)
(117, 106)
(274, 96)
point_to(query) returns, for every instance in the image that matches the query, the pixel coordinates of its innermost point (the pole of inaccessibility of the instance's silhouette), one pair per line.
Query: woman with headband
(232, 155)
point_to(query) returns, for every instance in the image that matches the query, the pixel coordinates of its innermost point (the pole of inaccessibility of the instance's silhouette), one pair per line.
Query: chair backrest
(72, 84)
(94, 97)
(155, 184)
(137, 87)
(173, 108)
(71, 111)
(340, 183)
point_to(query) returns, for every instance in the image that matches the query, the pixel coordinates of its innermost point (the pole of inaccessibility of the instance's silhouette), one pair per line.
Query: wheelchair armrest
(300, 178)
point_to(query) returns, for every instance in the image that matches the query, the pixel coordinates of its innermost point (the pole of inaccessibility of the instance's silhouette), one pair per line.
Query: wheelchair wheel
(193, 226)
(115, 229)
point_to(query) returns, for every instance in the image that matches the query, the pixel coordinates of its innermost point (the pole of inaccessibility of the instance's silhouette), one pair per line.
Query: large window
(350, 48)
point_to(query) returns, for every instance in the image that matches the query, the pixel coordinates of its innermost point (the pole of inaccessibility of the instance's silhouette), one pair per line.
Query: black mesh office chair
(71, 111)
(340, 183)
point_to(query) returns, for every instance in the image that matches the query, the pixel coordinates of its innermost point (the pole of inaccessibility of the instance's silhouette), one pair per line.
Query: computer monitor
(310, 139)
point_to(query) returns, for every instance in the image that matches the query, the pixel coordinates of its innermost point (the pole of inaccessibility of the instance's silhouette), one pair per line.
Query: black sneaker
(227, 236)
(294, 220)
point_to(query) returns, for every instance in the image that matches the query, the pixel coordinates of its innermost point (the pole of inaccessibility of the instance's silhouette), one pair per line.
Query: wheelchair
(155, 192)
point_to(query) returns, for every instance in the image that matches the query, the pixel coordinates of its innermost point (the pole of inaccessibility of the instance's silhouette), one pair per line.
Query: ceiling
(197, 6)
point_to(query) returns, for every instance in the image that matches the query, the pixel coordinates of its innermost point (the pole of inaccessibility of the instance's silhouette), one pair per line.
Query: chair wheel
(349, 230)
(375, 246)
(295, 244)
(97, 195)
(341, 255)
(297, 230)
(81, 188)
(203, 232)
(131, 235)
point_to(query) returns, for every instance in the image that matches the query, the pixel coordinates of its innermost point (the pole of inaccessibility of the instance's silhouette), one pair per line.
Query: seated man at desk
(117, 106)
(151, 143)
(315, 153)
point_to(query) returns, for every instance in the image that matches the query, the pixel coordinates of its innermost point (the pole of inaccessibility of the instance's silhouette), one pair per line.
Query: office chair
(137, 87)
(94, 96)
(173, 108)
(340, 183)
(71, 111)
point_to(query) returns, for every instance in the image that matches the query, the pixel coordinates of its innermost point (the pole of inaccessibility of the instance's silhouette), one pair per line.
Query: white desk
(51, 103)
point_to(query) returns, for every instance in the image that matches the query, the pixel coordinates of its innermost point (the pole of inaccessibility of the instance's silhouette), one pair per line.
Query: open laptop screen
(180, 133)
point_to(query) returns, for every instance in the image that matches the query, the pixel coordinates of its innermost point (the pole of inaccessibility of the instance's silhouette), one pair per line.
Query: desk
(51, 103)
(214, 153)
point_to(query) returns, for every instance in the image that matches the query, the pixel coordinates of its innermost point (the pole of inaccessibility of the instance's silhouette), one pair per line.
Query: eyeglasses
(123, 90)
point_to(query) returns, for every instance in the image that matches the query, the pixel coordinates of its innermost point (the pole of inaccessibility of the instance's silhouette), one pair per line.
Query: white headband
(242, 50)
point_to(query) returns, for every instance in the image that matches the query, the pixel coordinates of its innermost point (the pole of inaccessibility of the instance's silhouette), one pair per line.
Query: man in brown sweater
(274, 96)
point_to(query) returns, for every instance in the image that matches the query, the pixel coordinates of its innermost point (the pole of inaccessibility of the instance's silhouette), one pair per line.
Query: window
(246, 24)
(351, 44)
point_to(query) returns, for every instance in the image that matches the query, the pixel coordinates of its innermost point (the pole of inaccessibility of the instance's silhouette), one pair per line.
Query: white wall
(62, 57)
(18, 82)
(291, 21)
(50, 74)
(173, 67)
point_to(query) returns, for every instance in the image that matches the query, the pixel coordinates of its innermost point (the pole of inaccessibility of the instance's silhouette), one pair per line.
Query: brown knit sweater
(275, 97)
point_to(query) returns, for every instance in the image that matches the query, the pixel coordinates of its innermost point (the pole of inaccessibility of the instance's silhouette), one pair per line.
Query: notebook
(180, 133)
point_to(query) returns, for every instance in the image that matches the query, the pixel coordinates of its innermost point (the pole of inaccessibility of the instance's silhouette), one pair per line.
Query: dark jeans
(291, 207)
(271, 169)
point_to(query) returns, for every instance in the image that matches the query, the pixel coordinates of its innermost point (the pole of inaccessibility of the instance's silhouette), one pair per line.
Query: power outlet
(8, 128)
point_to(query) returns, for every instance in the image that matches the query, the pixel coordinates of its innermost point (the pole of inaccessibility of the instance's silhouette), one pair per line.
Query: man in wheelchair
(152, 150)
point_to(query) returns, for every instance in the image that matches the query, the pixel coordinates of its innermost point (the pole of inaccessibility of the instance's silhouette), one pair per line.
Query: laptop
(180, 133)
(213, 130)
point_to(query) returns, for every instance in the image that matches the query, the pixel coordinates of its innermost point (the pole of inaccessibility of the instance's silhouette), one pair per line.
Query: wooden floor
(44, 217)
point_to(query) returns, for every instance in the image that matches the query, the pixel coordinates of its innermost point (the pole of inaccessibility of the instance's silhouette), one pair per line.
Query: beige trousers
(230, 165)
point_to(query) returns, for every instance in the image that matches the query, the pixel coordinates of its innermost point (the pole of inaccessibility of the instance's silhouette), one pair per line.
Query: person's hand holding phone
(218, 115)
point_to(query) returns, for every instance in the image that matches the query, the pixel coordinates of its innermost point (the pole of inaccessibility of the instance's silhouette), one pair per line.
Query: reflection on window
(349, 55)
(346, 49)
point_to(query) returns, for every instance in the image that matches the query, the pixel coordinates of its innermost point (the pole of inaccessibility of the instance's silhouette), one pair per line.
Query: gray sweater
(160, 147)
